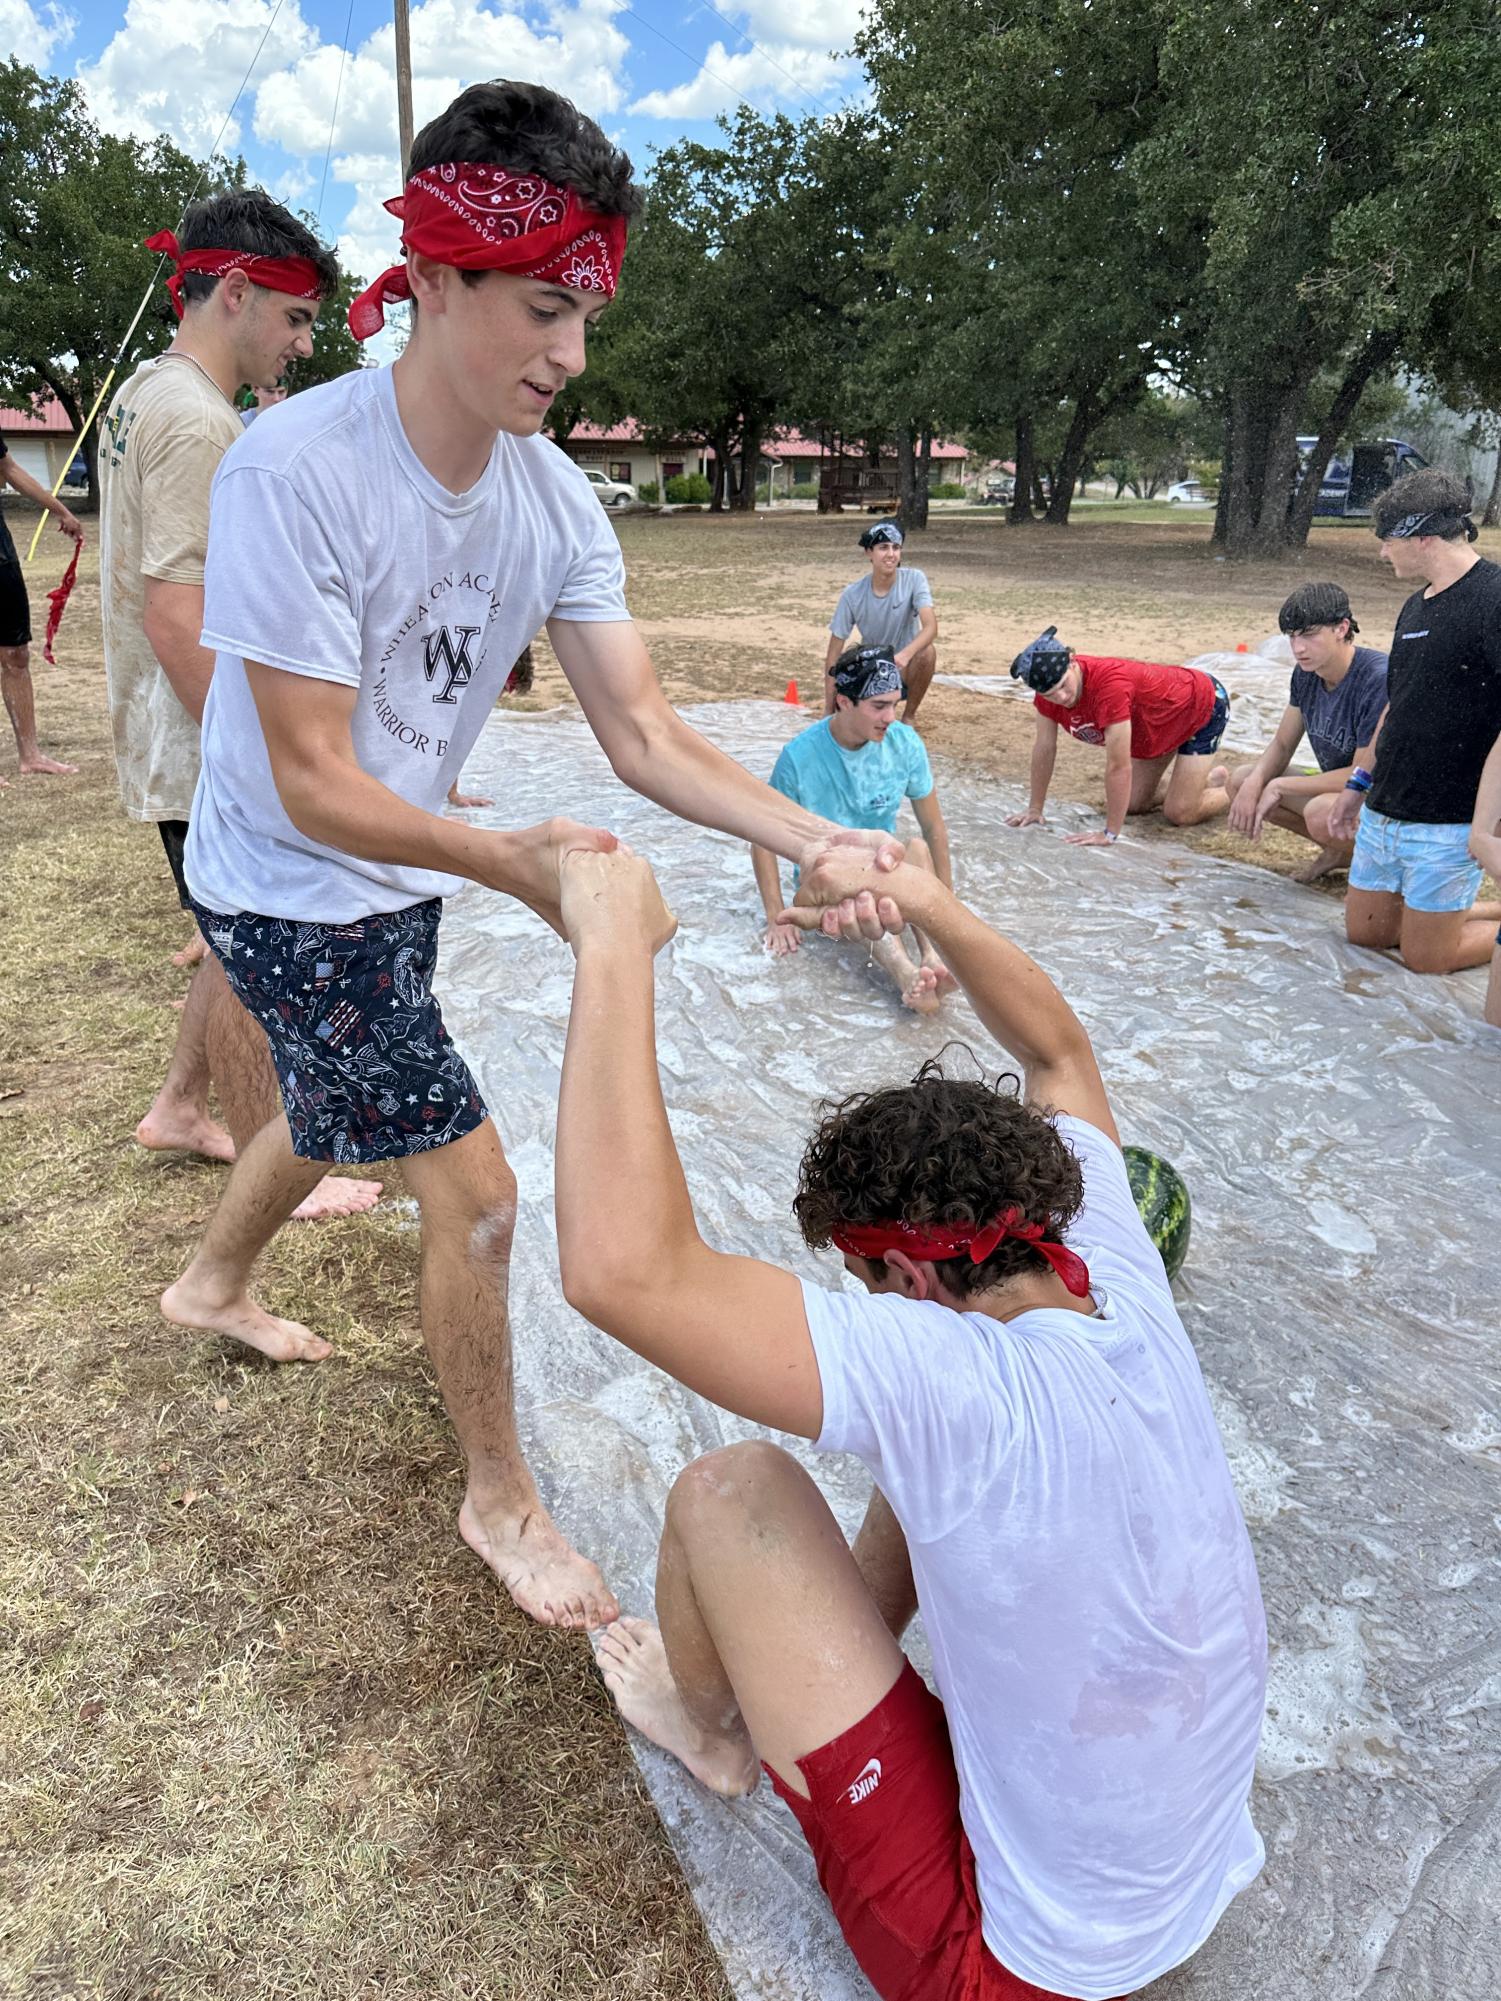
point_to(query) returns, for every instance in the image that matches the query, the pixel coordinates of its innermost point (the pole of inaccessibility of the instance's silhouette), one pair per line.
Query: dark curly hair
(1433, 490)
(940, 1150)
(248, 219)
(527, 127)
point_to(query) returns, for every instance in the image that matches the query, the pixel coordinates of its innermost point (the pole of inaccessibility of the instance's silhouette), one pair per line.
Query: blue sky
(650, 71)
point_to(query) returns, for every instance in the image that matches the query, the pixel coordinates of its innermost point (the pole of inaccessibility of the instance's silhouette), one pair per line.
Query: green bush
(648, 491)
(687, 489)
(805, 489)
(946, 489)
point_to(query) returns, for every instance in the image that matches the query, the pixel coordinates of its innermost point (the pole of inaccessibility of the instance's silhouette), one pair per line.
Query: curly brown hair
(940, 1150)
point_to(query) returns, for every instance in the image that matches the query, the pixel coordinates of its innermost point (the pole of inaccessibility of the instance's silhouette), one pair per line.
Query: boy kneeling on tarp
(1050, 1486)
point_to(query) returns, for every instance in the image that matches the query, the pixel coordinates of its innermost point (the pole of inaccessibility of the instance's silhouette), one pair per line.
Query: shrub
(946, 489)
(805, 489)
(687, 489)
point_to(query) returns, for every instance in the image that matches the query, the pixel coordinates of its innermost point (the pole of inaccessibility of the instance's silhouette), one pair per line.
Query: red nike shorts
(893, 1857)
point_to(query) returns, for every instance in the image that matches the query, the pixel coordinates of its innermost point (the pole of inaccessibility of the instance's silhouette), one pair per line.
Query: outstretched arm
(1044, 755)
(34, 491)
(653, 750)
(631, 1257)
(1012, 995)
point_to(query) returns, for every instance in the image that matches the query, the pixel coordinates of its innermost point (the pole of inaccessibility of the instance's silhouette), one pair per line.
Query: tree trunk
(1262, 465)
(1066, 471)
(1020, 511)
(1377, 352)
(906, 477)
(750, 460)
(721, 443)
(1492, 514)
(924, 477)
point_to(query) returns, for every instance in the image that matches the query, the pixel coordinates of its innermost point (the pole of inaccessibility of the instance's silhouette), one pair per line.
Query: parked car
(999, 490)
(78, 473)
(1350, 484)
(612, 492)
(1185, 493)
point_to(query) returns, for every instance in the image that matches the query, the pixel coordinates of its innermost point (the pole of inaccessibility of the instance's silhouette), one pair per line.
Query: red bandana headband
(297, 275)
(481, 218)
(941, 1240)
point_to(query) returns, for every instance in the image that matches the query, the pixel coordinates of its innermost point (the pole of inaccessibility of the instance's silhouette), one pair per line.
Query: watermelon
(1162, 1200)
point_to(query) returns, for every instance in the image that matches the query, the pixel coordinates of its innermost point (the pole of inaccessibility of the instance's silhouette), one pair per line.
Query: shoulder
(173, 398)
(549, 467)
(1370, 663)
(916, 579)
(311, 424)
(807, 743)
(908, 743)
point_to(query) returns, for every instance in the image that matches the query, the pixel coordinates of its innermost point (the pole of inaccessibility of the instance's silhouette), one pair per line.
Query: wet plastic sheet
(1339, 1125)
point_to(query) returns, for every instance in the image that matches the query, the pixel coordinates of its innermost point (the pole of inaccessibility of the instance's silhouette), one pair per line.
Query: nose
(303, 344)
(567, 350)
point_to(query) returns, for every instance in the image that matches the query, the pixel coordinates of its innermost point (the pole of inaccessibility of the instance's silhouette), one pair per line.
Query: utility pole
(404, 83)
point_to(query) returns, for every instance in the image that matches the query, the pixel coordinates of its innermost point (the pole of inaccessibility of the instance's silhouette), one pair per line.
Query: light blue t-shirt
(854, 788)
(889, 621)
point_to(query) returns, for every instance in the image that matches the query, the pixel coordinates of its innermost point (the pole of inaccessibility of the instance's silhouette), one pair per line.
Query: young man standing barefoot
(892, 609)
(248, 282)
(856, 767)
(1050, 1488)
(421, 531)
(15, 624)
(1153, 721)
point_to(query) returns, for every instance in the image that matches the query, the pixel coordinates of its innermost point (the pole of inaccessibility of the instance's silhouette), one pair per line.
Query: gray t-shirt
(1339, 720)
(889, 621)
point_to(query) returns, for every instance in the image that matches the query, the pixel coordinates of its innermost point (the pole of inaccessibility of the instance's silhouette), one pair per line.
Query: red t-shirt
(1164, 705)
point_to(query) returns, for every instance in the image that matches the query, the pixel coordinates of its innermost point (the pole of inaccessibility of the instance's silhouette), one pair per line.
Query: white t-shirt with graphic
(334, 553)
(1088, 1589)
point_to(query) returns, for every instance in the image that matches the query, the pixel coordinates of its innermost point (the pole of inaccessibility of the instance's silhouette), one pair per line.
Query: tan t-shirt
(163, 437)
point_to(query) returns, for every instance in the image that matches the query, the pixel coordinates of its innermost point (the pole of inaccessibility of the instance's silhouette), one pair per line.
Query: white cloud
(776, 76)
(816, 24)
(31, 33)
(175, 66)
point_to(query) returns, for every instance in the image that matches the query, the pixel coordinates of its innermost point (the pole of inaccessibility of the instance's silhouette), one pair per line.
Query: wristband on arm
(1360, 780)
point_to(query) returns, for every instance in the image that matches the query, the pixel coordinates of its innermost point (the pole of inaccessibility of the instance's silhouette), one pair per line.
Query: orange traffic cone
(792, 695)
(1241, 646)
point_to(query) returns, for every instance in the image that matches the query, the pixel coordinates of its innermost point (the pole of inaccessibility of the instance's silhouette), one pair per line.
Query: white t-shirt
(1089, 1593)
(334, 553)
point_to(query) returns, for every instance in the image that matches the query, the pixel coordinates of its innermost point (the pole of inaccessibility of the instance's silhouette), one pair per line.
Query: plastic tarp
(1338, 1121)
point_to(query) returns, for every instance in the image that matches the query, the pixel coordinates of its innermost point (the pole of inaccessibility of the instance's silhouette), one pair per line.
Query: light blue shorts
(1427, 864)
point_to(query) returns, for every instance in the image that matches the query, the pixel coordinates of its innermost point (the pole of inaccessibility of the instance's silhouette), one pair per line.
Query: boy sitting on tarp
(1071, 1818)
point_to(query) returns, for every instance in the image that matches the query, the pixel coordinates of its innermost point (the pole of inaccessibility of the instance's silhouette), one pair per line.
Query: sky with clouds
(651, 71)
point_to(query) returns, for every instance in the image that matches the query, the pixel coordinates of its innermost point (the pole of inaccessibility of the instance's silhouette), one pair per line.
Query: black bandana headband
(866, 673)
(1438, 521)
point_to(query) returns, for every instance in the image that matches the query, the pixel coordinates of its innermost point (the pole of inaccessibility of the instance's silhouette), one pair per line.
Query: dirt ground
(269, 1730)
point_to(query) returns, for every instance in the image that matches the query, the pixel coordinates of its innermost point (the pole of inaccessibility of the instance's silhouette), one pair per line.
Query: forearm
(1040, 774)
(927, 632)
(332, 800)
(768, 880)
(30, 489)
(1488, 810)
(675, 767)
(936, 834)
(1311, 786)
(1013, 997)
(1117, 794)
(612, 1125)
(831, 653)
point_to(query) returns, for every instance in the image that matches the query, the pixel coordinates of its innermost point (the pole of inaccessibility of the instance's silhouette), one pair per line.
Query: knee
(1316, 818)
(15, 660)
(919, 854)
(1176, 815)
(1424, 959)
(729, 1481)
(1236, 778)
(483, 1213)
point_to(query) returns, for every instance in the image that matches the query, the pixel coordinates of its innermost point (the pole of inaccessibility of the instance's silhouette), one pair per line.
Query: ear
(915, 1281)
(235, 289)
(426, 276)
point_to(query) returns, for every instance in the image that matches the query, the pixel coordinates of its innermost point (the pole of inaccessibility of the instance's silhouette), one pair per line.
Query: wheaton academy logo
(448, 648)
(867, 1782)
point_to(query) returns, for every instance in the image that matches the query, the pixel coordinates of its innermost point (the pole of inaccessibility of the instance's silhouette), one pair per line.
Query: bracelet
(1360, 780)
(1111, 837)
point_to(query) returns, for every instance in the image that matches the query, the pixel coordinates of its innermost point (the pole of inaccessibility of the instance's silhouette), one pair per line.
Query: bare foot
(633, 1662)
(544, 1573)
(1325, 862)
(943, 979)
(1219, 775)
(191, 954)
(335, 1196)
(923, 996)
(177, 1125)
(45, 767)
(189, 1304)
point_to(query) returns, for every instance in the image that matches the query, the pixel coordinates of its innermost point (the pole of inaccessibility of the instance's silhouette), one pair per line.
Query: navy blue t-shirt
(1339, 720)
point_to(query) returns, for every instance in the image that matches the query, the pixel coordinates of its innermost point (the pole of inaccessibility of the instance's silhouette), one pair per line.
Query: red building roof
(46, 414)
(786, 445)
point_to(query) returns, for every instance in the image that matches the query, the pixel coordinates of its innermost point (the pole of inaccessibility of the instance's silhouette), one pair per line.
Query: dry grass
(268, 1730)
